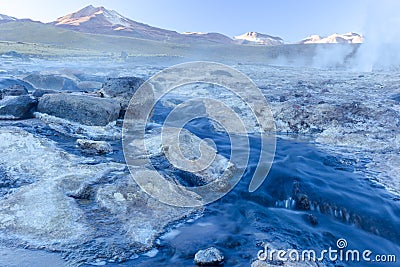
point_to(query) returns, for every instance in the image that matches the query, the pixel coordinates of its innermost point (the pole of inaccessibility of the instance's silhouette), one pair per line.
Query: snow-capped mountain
(5, 18)
(103, 21)
(258, 38)
(99, 20)
(347, 38)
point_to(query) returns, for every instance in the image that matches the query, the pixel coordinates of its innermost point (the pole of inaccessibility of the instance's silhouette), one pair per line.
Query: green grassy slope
(50, 36)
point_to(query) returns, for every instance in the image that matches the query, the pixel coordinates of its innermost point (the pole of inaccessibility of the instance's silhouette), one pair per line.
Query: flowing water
(342, 204)
(304, 183)
(309, 200)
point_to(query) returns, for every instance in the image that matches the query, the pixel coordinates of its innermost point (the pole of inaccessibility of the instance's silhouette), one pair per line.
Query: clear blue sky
(289, 19)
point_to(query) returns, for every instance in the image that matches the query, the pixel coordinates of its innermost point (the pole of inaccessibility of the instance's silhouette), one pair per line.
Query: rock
(15, 55)
(17, 107)
(41, 92)
(302, 202)
(13, 87)
(122, 89)
(89, 85)
(192, 174)
(87, 110)
(312, 219)
(94, 147)
(76, 130)
(209, 256)
(53, 81)
(282, 98)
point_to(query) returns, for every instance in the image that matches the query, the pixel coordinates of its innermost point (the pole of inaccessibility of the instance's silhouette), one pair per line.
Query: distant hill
(5, 18)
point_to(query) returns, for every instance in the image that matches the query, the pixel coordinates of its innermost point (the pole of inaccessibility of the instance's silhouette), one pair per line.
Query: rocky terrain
(64, 185)
(356, 114)
(81, 201)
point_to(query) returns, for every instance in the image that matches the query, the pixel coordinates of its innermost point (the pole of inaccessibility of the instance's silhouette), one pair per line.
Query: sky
(292, 20)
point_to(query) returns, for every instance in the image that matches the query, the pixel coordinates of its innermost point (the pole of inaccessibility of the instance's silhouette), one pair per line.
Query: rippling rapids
(309, 200)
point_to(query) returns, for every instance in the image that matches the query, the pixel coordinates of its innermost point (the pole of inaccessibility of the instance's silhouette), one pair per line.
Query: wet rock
(77, 130)
(94, 147)
(220, 167)
(53, 81)
(87, 110)
(13, 87)
(210, 256)
(89, 86)
(85, 191)
(312, 219)
(41, 92)
(17, 107)
(302, 202)
(121, 89)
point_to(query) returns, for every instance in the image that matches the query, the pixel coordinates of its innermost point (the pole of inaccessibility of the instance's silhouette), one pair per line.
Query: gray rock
(53, 81)
(312, 219)
(122, 89)
(41, 92)
(87, 110)
(94, 147)
(15, 55)
(17, 107)
(89, 85)
(209, 256)
(13, 87)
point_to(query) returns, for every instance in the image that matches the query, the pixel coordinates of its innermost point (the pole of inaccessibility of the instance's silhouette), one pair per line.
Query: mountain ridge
(346, 38)
(99, 20)
(258, 38)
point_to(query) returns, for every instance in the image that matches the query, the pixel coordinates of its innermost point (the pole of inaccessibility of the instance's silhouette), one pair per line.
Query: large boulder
(13, 87)
(122, 89)
(83, 109)
(17, 107)
(53, 81)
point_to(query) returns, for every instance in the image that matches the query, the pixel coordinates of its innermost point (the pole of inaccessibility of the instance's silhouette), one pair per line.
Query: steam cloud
(380, 49)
